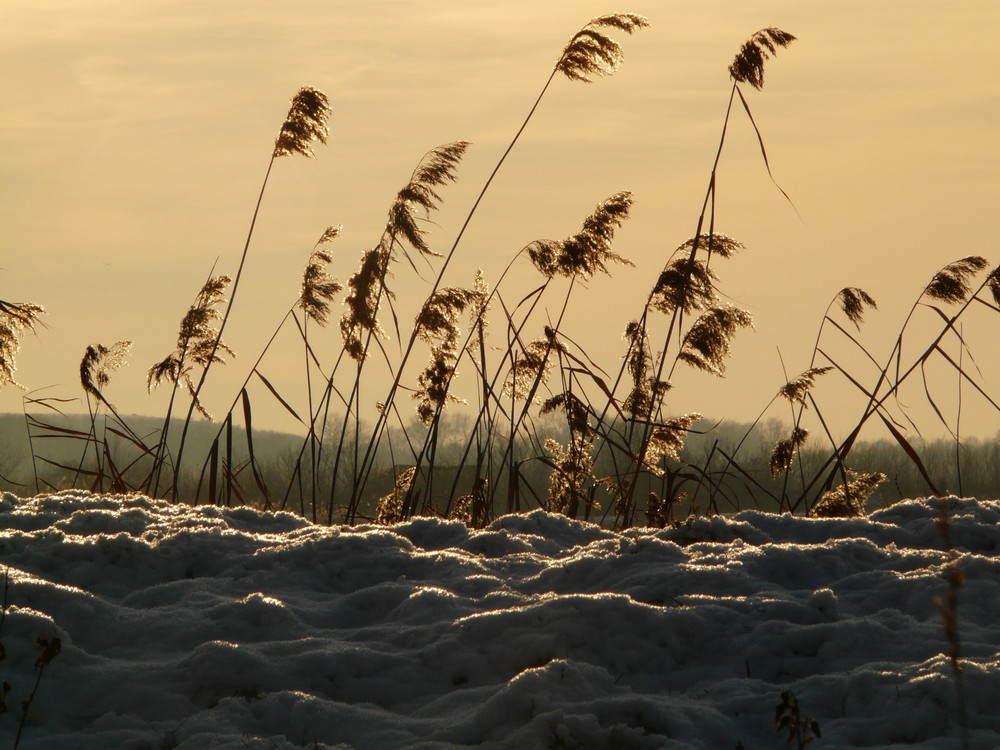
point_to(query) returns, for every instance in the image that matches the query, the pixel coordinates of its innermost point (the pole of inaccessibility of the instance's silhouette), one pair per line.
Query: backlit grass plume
(952, 283)
(588, 251)
(853, 302)
(368, 285)
(748, 66)
(437, 324)
(318, 287)
(706, 344)
(848, 500)
(15, 319)
(593, 53)
(198, 342)
(98, 363)
(784, 451)
(795, 390)
(305, 123)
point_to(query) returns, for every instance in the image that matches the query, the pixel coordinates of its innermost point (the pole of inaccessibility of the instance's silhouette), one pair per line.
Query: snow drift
(204, 627)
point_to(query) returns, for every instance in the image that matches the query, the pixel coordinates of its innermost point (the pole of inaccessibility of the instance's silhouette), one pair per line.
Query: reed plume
(795, 390)
(572, 468)
(15, 319)
(588, 251)
(853, 301)
(577, 412)
(390, 507)
(198, 343)
(305, 123)
(98, 363)
(706, 344)
(437, 324)
(318, 287)
(530, 366)
(784, 451)
(748, 65)
(591, 53)
(952, 283)
(848, 500)
(368, 284)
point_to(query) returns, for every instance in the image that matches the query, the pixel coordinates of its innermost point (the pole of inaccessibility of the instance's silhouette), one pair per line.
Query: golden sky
(134, 137)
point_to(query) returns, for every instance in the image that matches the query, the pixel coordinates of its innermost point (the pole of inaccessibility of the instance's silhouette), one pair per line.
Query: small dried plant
(16, 318)
(98, 363)
(848, 500)
(306, 122)
(706, 345)
(198, 342)
(390, 508)
(748, 65)
(590, 52)
(788, 718)
(319, 287)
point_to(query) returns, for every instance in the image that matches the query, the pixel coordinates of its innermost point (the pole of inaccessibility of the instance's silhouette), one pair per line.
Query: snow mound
(195, 627)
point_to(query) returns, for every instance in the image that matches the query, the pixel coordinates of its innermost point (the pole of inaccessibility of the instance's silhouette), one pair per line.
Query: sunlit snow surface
(200, 627)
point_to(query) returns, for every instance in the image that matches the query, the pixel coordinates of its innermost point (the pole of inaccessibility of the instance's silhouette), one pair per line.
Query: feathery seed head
(15, 319)
(848, 500)
(748, 66)
(533, 363)
(306, 122)
(572, 469)
(577, 412)
(318, 287)
(363, 301)
(706, 344)
(797, 388)
(590, 250)
(390, 508)
(592, 53)
(98, 363)
(784, 451)
(686, 284)
(993, 282)
(952, 283)
(852, 301)
(713, 244)
(436, 168)
(667, 439)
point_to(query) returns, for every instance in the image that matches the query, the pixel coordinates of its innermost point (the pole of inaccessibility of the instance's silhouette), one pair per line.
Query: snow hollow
(205, 627)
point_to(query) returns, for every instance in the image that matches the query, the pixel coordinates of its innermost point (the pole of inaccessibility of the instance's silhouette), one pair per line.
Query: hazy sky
(134, 137)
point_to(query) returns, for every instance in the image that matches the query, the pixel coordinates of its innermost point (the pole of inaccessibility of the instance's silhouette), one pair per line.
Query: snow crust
(203, 627)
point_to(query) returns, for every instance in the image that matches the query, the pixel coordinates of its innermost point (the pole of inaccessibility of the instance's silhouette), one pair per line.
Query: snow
(204, 627)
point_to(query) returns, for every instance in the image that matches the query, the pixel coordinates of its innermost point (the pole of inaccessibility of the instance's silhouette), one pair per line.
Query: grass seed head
(305, 123)
(748, 65)
(707, 343)
(853, 301)
(15, 319)
(98, 363)
(952, 284)
(593, 53)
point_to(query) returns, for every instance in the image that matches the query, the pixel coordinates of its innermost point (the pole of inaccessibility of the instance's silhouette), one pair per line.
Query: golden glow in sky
(134, 137)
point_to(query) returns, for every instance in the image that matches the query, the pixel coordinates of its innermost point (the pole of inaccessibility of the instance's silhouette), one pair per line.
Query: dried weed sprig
(788, 718)
(667, 439)
(572, 470)
(783, 453)
(848, 500)
(639, 362)
(952, 283)
(98, 363)
(796, 389)
(390, 507)
(531, 365)
(853, 302)
(588, 251)
(713, 244)
(15, 319)
(319, 287)
(993, 283)
(198, 342)
(436, 169)
(305, 123)
(748, 66)
(686, 284)
(437, 324)
(592, 53)
(577, 412)
(368, 284)
(706, 344)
